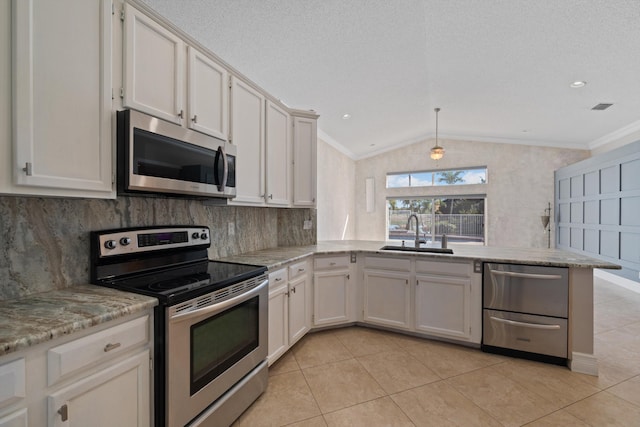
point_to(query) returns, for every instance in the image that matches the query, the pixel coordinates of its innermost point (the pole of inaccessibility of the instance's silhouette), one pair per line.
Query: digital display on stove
(157, 239)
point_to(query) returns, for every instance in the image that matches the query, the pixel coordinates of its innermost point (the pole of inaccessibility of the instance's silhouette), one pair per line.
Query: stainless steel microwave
(158, 157)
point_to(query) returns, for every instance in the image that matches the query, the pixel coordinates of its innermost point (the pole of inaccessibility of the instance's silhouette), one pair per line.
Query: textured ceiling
(499, 69)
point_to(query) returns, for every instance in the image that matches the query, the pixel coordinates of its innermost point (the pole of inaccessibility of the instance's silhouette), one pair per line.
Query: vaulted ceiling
(500, 70)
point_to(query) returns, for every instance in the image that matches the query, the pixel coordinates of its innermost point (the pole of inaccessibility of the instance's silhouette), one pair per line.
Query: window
(461, 218)
(467, 176)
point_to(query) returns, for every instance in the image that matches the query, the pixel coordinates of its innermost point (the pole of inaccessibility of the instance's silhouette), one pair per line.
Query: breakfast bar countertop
(273, 258)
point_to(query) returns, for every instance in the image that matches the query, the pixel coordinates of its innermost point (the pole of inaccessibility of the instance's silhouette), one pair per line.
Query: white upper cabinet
(61, 99)
(154, 79)
(247, 134)
(153, 67)
(208, 95)
(278, 166)
(305, 136)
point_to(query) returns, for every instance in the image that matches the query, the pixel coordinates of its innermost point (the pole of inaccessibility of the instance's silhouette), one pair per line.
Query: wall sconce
(545, 219)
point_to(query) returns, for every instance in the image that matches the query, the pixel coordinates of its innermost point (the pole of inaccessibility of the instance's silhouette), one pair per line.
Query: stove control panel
(131, 241)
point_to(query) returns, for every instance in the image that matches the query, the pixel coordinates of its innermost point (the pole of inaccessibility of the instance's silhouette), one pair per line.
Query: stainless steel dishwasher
(525, 311)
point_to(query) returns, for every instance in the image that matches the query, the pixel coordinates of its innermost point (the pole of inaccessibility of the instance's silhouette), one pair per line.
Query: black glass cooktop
(185, 282)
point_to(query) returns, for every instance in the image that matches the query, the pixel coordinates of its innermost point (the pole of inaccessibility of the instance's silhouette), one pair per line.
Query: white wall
(519, 186)
(336, 194)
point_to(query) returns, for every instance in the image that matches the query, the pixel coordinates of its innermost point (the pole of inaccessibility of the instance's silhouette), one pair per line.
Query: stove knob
(110, 244)
(125, 241)
(203, 236)
(196, 235)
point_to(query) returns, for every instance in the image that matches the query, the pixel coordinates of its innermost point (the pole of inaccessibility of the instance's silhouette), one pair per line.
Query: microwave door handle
(225, 169)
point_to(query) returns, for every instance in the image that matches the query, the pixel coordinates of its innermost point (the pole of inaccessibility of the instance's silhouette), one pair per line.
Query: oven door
(210, 348)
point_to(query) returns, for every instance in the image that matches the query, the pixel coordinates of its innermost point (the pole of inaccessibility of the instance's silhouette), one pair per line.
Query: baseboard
(584, 363)
(617, 280)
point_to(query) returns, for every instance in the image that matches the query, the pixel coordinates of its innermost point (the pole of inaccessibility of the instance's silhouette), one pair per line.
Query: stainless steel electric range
(210, 327)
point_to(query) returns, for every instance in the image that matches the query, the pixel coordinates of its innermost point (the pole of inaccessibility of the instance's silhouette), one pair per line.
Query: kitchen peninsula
(356, 263)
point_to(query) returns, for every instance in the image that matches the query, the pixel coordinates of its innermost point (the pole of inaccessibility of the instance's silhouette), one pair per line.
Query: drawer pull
(300, 270)
(332, 263)
(278, 279)
(64, 412)
(110, 346)
(526, 275)
(525, 325)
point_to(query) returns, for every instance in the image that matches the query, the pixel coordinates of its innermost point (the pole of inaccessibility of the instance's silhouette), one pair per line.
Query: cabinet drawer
(12, 382)
(325, 263)
(81, 353)
(277, 278)
(456, 269)
(298, 269)
(385, 263)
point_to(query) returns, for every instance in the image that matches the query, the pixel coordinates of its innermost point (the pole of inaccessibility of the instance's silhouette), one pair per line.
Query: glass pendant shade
(437, 152)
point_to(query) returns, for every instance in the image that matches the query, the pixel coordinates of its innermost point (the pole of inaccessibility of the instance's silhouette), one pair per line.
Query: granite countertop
(276, 257)
(38, 318)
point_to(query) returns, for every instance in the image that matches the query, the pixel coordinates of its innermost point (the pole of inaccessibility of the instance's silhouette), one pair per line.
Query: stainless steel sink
(414, 249)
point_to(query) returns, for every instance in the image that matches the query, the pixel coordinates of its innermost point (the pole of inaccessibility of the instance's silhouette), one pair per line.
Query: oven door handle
(526, 275)
(221, 306)
(524, 324)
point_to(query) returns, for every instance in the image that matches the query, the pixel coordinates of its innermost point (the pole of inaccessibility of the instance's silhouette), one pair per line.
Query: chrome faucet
(417, 243)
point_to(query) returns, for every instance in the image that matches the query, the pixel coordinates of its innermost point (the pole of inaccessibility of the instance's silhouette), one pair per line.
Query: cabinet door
(387, 299)
(443, 306)
(15, 419)
(298, 308)
(330, 297)
(277, 156)
(115, 396)
(62, 94)
(208, 95)
(305, 136)
(154, 67)
(278, 323)
(247, 134)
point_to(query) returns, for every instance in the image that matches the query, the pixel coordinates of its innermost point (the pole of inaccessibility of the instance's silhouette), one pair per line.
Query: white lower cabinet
(332, 292)
(387, 298)
(448, 300)
(289, 308)
(15, 419)
(442, 306)
(278, 315)
(115, 396)
(97, 377)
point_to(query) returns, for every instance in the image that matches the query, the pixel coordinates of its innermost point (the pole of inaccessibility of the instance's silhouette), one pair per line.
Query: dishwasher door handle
(524, 324)
(526, 275)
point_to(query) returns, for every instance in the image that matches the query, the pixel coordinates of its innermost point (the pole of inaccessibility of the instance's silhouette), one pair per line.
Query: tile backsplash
(45, 241)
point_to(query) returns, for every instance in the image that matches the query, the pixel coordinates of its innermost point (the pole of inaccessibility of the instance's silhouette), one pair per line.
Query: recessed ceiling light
(578, 84)
(346, 116)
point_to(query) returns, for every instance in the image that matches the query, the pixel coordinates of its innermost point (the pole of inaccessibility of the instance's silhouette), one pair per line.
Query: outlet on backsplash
(307, 224)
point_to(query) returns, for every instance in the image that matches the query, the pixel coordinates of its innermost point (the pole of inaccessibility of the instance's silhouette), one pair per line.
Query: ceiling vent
(600, 107)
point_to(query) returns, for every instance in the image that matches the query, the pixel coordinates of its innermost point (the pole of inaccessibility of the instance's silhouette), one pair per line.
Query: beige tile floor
(363, 377)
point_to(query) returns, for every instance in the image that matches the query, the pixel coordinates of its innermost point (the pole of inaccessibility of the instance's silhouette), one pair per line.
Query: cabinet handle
(64, 412)
(332, 263)
(195, 118)
(278, 279)
(28, 168)
(293, 290)
(110, 346)
(300, 270)
(287, 293)
(271, 196)
(181, 114)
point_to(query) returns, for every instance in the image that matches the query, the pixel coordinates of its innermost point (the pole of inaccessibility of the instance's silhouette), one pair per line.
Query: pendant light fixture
(437, 152)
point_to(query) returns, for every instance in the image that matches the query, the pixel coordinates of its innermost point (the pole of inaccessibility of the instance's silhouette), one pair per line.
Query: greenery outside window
(476, 175)
(461, 218)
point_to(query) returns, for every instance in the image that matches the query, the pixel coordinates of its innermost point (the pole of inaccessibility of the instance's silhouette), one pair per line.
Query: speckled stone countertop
(41, 317)
(276, 257)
